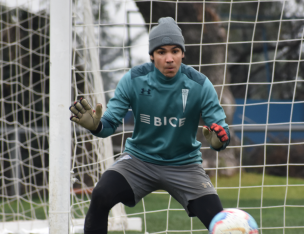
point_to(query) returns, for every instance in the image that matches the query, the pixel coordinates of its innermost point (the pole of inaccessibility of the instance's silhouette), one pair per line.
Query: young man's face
(167, 59)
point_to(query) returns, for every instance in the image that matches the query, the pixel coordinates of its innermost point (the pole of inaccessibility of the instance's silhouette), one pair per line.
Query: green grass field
(277, 210)
(272, 200)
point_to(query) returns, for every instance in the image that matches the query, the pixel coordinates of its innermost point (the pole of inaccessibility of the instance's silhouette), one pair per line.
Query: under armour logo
(145, 92)
(207, 184)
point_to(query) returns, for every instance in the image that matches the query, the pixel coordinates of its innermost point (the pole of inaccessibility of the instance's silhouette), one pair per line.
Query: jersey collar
(165, 80)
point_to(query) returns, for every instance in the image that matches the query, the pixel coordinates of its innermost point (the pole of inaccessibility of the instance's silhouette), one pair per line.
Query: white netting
(24, 100)
(252, 51)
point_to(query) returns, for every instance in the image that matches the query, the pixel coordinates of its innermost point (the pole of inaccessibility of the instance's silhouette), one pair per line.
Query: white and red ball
(233, 221)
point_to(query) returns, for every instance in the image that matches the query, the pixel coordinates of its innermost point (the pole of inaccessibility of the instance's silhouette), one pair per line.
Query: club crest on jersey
(185, 96)
(146, 92)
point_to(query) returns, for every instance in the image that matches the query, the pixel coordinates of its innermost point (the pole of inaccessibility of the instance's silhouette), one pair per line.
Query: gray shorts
(184, 183)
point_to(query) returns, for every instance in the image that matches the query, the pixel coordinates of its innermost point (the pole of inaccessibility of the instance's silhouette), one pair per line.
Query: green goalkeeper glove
(215, 135)
(85, 116)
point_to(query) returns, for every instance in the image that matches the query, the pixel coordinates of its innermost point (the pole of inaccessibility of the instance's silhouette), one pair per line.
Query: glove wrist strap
(98, 128)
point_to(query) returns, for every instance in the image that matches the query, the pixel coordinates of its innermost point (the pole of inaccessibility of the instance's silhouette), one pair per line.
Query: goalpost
(253, 53)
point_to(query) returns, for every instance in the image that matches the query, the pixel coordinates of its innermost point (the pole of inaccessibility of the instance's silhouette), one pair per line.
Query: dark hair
(162, 46)
(165, 45)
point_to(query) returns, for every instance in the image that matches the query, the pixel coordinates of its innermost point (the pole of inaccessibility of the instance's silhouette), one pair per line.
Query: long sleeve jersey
(166, 113)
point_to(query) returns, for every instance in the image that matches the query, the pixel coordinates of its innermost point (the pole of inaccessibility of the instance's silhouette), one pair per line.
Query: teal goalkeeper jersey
(166, 113)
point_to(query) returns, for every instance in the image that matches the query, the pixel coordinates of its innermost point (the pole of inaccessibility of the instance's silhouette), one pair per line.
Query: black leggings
(113, 188)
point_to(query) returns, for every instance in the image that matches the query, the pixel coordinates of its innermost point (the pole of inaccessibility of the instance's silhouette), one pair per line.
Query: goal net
(24, 116)
(252, 51)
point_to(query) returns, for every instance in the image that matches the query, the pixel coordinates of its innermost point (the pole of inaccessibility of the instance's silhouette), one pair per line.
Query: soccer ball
(233, 221)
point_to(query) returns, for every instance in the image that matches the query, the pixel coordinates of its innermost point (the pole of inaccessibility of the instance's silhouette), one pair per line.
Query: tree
(24, 90)
(269, 38)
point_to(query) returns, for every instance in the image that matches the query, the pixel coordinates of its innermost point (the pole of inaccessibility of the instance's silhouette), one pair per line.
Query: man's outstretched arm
(85, 116)
(117, 107)
(216, 130)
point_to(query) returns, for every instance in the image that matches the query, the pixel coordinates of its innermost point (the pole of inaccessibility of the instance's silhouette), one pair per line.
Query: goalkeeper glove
(215, 135)
(85, 116)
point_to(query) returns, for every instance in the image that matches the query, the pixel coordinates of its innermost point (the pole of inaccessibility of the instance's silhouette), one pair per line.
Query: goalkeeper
(167, 99)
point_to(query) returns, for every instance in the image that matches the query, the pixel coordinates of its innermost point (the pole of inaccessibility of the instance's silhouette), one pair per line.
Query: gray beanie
(166, 32)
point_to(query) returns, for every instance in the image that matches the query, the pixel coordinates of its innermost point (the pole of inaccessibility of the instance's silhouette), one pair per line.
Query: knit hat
(166, 32)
